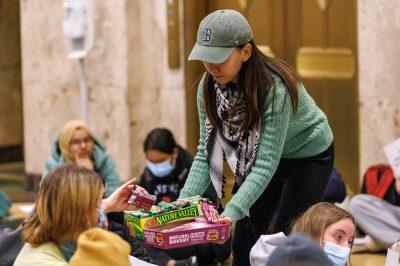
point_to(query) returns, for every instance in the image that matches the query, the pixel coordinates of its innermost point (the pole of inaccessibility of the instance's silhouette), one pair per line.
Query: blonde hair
(66, 136)
(318, 218)
(66, 197)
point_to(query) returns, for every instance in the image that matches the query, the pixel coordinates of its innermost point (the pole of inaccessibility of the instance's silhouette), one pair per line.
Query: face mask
(160, 169)
(102, 218)
(337, 254)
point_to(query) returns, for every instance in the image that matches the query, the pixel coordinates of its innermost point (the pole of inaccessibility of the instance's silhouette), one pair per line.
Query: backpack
(378, 179)
(336, 189)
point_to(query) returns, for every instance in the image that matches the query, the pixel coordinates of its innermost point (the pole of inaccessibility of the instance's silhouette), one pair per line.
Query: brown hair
(255, 83)
(66, 197)
(318, 218)
(66, 136)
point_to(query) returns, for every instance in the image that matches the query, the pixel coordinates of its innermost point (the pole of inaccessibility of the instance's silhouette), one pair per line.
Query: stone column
(157, 94)
(379, 78)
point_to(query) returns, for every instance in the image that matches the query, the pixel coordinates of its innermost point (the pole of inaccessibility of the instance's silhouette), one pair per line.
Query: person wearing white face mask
(331, 227)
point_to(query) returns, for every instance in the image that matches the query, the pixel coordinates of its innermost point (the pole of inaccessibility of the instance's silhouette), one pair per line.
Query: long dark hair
(160, 139)
(255, 83)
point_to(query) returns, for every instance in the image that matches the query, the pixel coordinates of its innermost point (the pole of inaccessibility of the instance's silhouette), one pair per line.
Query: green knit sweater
(283, 135)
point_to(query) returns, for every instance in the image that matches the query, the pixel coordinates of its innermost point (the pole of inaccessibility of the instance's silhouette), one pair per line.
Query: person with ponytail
(257, 118)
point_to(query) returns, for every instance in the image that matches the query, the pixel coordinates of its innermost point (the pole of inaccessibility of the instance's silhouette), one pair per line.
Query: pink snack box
(185, 233)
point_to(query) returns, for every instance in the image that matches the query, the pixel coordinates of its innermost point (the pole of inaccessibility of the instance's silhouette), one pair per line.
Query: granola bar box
(185, 233)
(138, 221)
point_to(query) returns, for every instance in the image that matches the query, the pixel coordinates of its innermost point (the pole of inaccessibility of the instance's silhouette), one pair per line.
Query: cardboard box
(137, 225)
(185, 233)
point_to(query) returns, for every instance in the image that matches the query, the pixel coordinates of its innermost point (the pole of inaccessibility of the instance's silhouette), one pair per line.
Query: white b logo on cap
(207, 34)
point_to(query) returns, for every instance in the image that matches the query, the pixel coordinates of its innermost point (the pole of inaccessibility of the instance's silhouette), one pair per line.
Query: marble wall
(11, 132)
(51, 85)
(379, 79)
(131, 88)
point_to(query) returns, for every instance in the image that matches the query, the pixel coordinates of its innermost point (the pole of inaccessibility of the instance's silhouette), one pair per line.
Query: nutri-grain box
(185, 233)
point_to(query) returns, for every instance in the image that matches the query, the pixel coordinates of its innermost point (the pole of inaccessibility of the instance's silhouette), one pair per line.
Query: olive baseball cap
(220, 32)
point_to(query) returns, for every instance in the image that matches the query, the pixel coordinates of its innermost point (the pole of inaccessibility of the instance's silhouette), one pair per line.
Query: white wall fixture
(79, 30)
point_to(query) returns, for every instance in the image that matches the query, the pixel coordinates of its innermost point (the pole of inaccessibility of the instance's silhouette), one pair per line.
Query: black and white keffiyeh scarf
(237, 148)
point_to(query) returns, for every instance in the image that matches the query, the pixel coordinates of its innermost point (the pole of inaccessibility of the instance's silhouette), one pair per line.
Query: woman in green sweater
(256, 115)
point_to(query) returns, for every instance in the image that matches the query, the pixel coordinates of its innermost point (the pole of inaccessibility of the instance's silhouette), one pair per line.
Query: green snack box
(137, 225)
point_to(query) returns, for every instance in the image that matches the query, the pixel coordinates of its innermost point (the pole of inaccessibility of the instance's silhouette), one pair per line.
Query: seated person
(168, 166)
(77, 145)
(70, 201)
(377, 210)
(331, 227)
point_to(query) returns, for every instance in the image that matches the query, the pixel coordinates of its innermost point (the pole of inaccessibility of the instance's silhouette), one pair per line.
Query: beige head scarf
(66, 135)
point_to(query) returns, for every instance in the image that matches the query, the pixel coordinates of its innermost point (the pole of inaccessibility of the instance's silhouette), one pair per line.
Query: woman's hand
(117, 201)
(224, 220)
(85, 162)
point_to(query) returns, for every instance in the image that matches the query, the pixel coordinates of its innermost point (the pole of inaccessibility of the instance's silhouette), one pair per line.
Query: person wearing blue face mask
(167, 165)
(331, 227)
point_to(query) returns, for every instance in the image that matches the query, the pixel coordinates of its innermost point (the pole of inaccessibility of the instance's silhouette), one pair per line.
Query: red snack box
(140, 199)
(185, 233)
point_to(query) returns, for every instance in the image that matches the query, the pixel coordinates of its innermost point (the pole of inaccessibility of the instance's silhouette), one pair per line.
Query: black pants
(296, 185)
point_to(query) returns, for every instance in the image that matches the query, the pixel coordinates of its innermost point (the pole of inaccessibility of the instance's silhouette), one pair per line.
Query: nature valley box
(137, 225)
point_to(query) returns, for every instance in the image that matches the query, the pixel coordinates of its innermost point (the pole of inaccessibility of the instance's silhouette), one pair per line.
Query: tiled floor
(368, 259)
(355, 259)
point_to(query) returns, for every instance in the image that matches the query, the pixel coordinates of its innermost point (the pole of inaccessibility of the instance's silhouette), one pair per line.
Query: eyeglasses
(78, 142)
